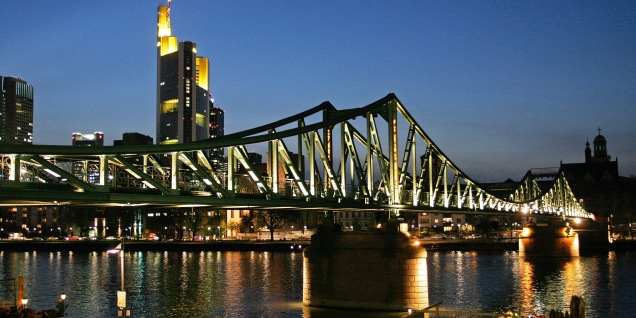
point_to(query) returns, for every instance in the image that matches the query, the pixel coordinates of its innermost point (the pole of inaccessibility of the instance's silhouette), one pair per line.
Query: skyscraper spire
(163, 23)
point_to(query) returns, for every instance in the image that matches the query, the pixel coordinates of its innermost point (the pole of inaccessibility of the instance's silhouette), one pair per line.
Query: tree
(177, 219)
(233, 226)
(195, 220)
(247, 223)
(272, 220)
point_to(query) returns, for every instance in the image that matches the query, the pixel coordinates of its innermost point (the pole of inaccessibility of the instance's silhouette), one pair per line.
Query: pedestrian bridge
(374, 157)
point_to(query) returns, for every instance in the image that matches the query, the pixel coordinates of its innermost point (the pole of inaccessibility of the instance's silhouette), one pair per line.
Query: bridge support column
(548, 240)
(367, 270)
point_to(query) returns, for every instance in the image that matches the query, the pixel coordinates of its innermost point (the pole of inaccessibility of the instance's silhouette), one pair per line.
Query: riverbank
(264, 245)
(471, 245)
(139, 246)
(513, 245)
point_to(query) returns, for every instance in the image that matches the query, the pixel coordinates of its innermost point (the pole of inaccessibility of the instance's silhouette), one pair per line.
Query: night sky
(500, 86)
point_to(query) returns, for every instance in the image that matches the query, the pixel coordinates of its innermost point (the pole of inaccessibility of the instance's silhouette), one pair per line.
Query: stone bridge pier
(377, 270)
(556, 239)
(552, 239)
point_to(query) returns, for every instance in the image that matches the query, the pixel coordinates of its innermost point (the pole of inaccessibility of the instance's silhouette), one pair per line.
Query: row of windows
(355, 214)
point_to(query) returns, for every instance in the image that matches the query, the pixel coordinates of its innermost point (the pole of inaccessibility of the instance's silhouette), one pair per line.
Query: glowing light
(148, 184)
(526, 232)
(52, 173)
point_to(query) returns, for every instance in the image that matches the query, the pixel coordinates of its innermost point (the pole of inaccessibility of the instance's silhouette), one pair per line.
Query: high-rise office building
(133, 139)
(183, 98)
(16, 111)
(217, 129)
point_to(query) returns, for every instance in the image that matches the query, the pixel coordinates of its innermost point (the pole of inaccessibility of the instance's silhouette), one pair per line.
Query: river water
(269, 284)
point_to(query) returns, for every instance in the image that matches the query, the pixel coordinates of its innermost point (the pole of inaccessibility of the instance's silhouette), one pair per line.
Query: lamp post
(24, 303)
(121, 294)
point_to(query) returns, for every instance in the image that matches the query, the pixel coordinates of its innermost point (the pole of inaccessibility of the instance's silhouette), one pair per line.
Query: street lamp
(121, 294)
(24, 303)
(61, 306)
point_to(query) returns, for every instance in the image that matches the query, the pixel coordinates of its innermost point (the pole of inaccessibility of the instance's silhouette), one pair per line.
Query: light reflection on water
(497, 282)
(268, 284)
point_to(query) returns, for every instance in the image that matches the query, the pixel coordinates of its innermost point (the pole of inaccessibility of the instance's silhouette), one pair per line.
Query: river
(269, 284)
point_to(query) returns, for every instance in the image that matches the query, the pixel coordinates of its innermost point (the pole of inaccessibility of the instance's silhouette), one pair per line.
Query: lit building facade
(183, 98)
(355, 220)
(438, 222)
(88, 140)
(16, 111)
(84, 171)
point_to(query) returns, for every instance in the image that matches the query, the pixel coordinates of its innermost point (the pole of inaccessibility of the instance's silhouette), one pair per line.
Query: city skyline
(500, 87)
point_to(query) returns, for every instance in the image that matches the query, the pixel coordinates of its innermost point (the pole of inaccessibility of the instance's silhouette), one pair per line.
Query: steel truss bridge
(373, 158)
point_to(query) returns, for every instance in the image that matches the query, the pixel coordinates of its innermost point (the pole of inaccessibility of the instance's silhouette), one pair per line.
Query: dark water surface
(269, 284)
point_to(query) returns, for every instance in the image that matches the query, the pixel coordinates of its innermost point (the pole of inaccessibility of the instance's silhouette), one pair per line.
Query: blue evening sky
(500, 86)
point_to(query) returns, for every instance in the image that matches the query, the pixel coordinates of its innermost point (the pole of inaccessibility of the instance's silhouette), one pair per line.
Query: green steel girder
(408, 149)
(376, 146)
(71, 179)
(289, 166)
(317, 144)
(355, 159)
(135, 172)
(241, 155)
(422, 177)
(205, 176)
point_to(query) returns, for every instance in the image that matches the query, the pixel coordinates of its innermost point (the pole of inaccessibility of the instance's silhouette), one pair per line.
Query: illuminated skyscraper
(217, 129)
(183, 96)
(16, 111)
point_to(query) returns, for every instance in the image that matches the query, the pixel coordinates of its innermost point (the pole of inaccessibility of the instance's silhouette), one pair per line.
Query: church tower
(600, 148)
